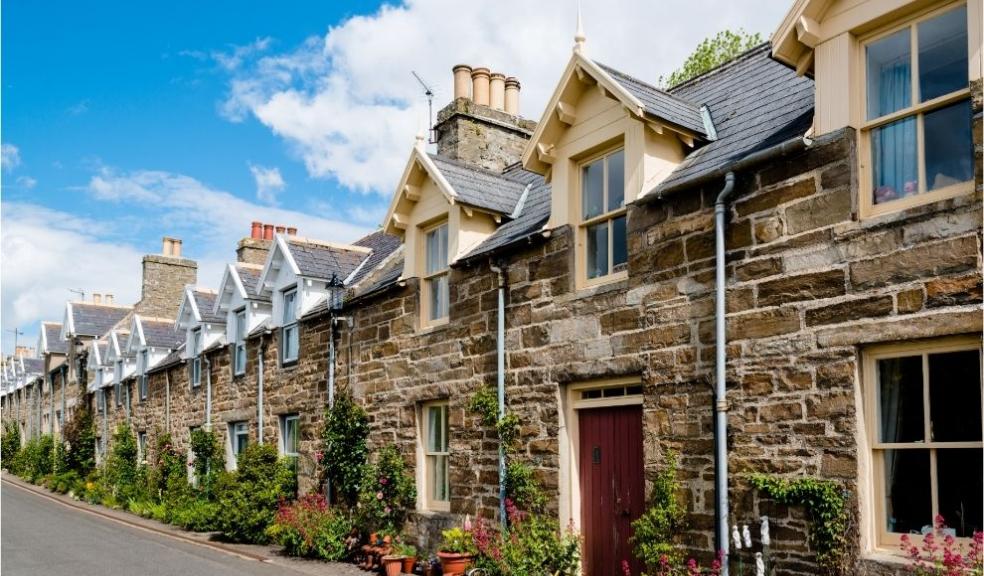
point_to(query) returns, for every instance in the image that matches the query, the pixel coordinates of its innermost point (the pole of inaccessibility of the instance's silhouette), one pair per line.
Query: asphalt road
(39, 537)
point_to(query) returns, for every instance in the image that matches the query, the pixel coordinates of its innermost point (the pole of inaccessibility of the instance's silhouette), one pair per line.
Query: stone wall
(164, 281)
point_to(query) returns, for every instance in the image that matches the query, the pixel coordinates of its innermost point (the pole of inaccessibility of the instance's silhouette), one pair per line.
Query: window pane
(438, 294)
(893, 158)
(434, 429)
(961, 486)
(289, 306)
(240, 326)
(889, 74)
(949, 148)
(955, 396)
(620, 253)
(900, 397)
(437, 249)
(444, 428)
(616, 180)
(597, 257)
(943, 54)
(592, 189)
(440, 478)
(908, 498)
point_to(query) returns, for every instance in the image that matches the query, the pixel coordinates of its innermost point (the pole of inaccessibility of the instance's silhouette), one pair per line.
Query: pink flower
(379, 495)
(626, 570)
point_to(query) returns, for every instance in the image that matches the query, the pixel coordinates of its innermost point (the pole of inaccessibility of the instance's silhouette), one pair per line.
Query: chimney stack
(108, 299)
(462, 81)
(165, 276)
(512, 96)
(480, 86)
(96, 298)
(253, 250)
(256, 230)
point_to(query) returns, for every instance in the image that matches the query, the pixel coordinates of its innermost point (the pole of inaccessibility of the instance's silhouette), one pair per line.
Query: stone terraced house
(816, 203)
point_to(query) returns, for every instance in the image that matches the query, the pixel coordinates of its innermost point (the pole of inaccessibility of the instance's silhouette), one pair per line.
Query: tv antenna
(78, 291)
(430, 107)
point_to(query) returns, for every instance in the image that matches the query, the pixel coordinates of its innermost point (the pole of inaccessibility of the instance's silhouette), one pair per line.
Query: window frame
(239, 343)
(234, 431)
(142, 446)
(284, 420)
(144, 378)
(885, 541)
(428, 458)
(582, 224)
(285, 326)
(428, 280)
(917, 110)
(196, 360)
(118, 382)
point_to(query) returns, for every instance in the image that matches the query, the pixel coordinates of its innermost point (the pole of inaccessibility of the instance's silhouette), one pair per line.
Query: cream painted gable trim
(799, 33)
(279, 247)
(395, 223)
(536, 156)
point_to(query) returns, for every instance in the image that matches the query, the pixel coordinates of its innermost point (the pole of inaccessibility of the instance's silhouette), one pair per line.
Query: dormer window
(196, 361)
(602, 234)
(435, 292)
(289, 337)
(917, 129)
(239, 346)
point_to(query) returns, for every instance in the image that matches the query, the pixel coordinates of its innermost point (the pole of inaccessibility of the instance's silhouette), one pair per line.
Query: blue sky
(126, 121)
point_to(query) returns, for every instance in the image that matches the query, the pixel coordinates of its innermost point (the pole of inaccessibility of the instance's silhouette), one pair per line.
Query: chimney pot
(268, 231)
(256, 230)
(166, 246)
(512, 96)
(462, 81)
(291, 231)
(176, 247)
(108, 299)
(480, 86)
(497, 90)
(281, 229)
(96, 298)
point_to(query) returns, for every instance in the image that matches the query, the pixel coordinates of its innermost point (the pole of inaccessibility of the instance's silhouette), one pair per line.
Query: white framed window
(118, 382)
(436, 291)
(238, 440)
(196, 360)
(602, 236)
(289, 435)
(142, 447)
(289, 336)
(145, 365)
(916, 134)
(923, 426)
(434, 432)
(239, 346)
(101, 401)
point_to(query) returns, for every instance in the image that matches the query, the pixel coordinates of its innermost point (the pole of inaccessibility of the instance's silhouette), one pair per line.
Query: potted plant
(456, 552)
(409, 554)
(393, 564)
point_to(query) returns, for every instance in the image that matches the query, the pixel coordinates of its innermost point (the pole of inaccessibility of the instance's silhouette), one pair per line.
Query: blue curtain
(894, 145)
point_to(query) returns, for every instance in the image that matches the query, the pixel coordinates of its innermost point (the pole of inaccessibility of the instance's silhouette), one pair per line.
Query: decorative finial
(420, 139)
(579, 38)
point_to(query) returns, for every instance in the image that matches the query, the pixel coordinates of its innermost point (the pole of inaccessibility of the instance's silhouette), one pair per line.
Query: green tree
(711, 53)
(80, 441)
(344, 449)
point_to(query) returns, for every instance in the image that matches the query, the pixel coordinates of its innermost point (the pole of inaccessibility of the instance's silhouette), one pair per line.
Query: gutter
(500, 378)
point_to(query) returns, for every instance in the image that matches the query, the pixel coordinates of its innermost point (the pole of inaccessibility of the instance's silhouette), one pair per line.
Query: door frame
(569, 504)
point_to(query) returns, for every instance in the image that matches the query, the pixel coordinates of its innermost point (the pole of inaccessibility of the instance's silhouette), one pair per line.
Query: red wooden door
(612, 486)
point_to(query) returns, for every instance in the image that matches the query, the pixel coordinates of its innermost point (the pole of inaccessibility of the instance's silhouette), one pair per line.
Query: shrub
(533, 544)
(195, 514)
(123, 475)
(344, 449)
(65, 482)
(941, 555)
(522, 487)
(309, 528)
(388, 492)
(457, 541)
(10, 444)
(209, 459)
(655, 531)
(34, 462)
(248, 498)
(80, 441)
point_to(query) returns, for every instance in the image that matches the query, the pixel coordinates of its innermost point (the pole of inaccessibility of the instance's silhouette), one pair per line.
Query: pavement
(49, 534)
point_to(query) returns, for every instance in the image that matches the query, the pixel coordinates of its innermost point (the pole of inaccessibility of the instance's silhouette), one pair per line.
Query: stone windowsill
(592, 291)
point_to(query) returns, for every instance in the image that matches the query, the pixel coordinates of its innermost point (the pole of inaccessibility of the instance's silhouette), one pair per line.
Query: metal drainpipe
(500, 380)
(720, 391)
(105, 434)
(51, 410)
(61, 427)
(167, 400)
(259, 385)
(331, 360)
(208, 393)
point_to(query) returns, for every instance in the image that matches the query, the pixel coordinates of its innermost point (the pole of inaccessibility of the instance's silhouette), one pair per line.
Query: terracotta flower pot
(393, 565)
(408, 564)
(452, 563)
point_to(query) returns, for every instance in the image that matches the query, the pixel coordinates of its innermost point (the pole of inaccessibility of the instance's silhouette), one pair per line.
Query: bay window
(435, 281)
(923, 414)
(289, 340)
(917, 114)
(603, 243)
(437, 487)
(239, 346)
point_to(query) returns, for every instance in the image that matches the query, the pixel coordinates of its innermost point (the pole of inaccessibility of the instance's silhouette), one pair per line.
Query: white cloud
(45, 252)
(26, 182)
(234, 57)
(269, 183)
(9, 157)
(349, 107)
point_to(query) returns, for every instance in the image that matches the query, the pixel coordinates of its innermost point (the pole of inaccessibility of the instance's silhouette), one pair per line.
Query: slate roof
(173, 358)
(103, 348)
(387, 277)
(323, 261)
(250, 277)
(382, 245)
(33, 365)
(754, 101)
(661, 104)
(205, 300)
(52, 333)
(96, 319)
(534, 214)
(161, 334)
(480, 188)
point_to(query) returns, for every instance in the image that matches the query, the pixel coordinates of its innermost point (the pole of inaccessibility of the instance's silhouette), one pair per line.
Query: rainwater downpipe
(208, 393)
(61, 425)
(167, 401)
(720, 364)
(331, 360)
(500, 380)
(259, 386)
